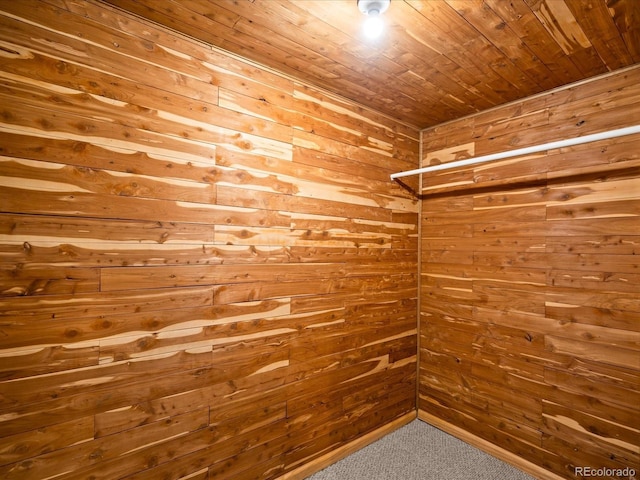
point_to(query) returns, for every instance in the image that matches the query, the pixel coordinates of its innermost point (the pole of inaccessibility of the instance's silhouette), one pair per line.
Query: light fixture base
(373, 7)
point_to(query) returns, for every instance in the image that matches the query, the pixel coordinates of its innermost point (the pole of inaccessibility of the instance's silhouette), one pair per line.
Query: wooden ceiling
(437, 60)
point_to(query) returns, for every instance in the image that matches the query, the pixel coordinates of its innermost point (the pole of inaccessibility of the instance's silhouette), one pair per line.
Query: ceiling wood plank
(626, 16)
(595, 20)
(519, 17)
(498, 32)
(437, 60)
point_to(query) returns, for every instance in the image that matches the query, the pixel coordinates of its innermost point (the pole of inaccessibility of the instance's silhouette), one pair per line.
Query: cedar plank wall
(206, 271)
(530, 274)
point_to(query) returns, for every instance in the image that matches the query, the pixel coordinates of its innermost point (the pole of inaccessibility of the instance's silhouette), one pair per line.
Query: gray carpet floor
(421, 452)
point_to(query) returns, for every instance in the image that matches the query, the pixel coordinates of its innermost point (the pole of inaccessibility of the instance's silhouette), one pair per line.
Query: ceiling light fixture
(373, 25)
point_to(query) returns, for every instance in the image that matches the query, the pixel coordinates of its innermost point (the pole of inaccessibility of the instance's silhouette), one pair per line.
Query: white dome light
(373, 25)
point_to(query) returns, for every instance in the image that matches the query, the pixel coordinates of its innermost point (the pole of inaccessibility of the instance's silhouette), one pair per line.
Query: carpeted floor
(421, 452)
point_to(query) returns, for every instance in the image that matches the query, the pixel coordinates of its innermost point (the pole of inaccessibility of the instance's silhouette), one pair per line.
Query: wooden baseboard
(506, 456)
(332, 457)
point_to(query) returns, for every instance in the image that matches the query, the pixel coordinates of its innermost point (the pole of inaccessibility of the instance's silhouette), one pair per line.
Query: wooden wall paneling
(529, 291)
(103, 49)
(205, 270)
(572, 114)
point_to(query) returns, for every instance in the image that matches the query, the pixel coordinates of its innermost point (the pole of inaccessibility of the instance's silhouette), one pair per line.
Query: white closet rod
(522, 151)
